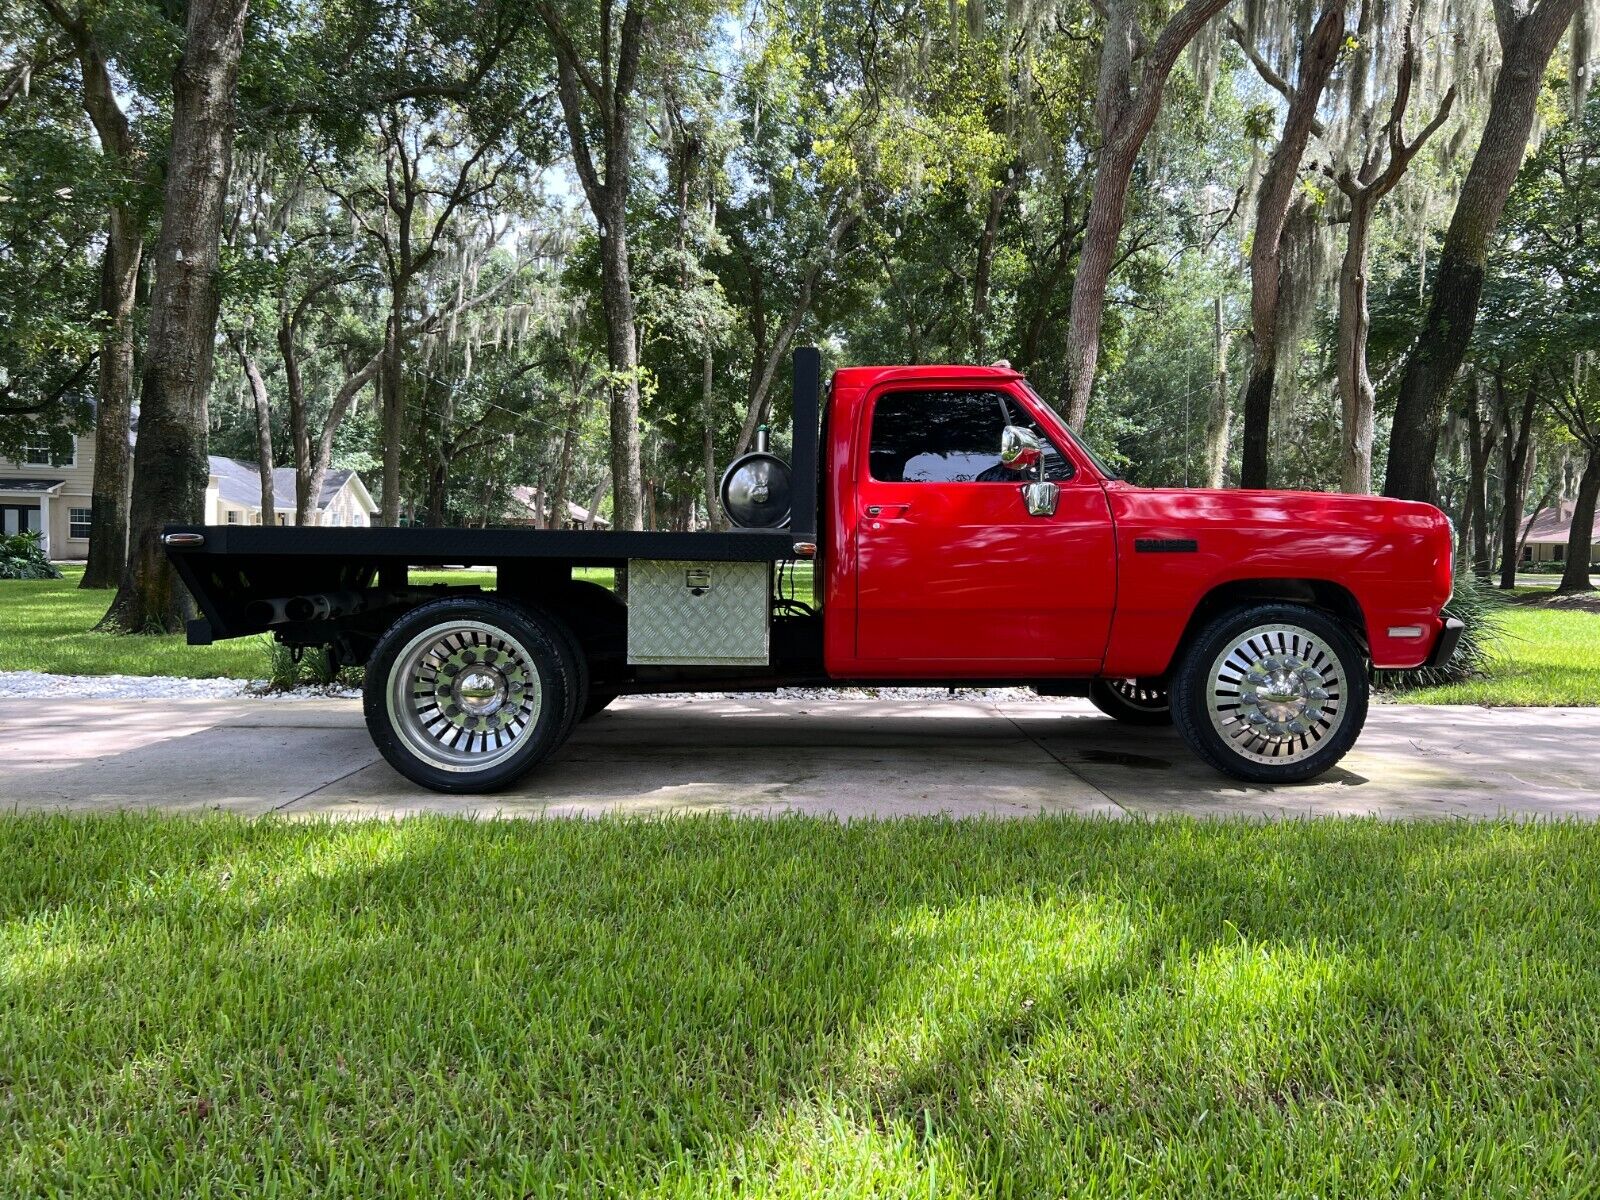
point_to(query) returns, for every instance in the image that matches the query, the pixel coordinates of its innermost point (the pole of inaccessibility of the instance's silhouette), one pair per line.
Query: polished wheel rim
(1138, 695)
(464, 696)
(1277, 693)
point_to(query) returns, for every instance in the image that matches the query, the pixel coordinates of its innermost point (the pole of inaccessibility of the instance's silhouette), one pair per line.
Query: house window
(283, 518)
(1561, 554)
(40, 455)
(338, 519)
(78, 522)
(233, 516)
(357, 519)
(1527, 554)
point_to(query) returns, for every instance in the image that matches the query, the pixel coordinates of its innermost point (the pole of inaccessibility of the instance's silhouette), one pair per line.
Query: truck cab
(959, 533)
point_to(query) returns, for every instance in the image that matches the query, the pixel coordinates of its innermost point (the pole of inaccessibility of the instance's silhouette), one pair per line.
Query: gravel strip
(17, 685)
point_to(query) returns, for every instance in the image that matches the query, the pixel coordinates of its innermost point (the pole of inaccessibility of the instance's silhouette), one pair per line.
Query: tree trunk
(1356, 393)
(1475, 518)
(1000, 193)
(1431, 366)
(113, 456)
(563, 484)
(595, 497)
(1527, 526)
(1219, 416)
(391, 382)
(119, 291)
(169, 464)
(1514, 459)
(1107, 206)
(708, 421)
(299, 423)
(1317, 58)
(1575, 575)
(622, 357)
(1124, 114)
(264, 461)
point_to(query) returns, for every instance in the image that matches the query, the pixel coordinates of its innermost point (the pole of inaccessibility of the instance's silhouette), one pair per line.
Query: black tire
(508, 647)
(597, 703)
(1132, 701)
(576, 665)
(1224, 710)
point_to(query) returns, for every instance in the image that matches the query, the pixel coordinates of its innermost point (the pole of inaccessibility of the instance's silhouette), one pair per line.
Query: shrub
(22, 557)
(283, 665)
(289, 667)
(1479, 609)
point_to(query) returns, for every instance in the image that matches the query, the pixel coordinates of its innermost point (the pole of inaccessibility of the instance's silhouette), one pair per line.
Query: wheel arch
(1329, 597)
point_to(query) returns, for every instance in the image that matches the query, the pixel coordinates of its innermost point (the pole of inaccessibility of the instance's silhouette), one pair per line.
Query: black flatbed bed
(419, 545)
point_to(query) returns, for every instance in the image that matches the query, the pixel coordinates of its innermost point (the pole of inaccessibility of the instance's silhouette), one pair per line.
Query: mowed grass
(798, 1008)
(48, 625)
(1544, 656)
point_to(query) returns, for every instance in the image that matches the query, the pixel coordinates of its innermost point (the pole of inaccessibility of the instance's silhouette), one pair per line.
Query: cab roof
(870, 376)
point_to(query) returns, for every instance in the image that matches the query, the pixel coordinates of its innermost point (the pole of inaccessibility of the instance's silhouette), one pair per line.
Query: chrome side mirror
(1041, 498)
(1020, 449)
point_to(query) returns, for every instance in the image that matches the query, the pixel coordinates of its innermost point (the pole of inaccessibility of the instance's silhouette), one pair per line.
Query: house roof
(239, 483)
(30, 485)
(524, 497)
(1554, 524)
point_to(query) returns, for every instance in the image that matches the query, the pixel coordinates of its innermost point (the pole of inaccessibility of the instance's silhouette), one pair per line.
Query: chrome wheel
(1276, 694)
(464, 695)
(1138, 695)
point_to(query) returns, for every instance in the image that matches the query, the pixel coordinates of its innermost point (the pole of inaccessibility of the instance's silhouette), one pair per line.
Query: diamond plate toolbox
(702, 614)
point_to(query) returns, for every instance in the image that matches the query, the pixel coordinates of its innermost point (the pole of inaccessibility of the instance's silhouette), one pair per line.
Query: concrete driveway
(849, 758)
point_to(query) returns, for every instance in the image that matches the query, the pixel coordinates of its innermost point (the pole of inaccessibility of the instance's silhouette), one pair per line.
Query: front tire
(1132, 701)
(1274, 693)
(469, 694)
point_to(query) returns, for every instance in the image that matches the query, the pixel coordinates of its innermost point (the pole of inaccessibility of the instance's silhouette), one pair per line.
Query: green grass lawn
(798, 1008)
(1545, 656)
(48, 625)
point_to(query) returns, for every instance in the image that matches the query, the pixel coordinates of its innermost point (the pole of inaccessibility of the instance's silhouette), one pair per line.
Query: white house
(233, 496)
(51, 496)
(529, 507)
(1548, 536)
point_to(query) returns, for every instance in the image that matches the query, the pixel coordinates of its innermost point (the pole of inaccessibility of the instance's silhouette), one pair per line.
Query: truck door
(955, 578)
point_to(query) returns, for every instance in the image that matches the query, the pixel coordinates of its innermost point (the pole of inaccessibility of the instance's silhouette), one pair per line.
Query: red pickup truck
(958, 533)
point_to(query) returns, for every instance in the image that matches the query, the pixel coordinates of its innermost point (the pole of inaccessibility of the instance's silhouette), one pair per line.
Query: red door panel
(955, 579)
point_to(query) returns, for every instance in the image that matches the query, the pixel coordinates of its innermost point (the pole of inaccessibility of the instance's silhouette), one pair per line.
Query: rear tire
(469, 694)
(1132, 701)
(1273, 693)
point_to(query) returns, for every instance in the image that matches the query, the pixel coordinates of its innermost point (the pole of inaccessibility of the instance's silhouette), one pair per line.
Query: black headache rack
(249, 579)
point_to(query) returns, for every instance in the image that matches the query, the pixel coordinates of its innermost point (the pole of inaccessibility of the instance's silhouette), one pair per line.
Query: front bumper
(1445, 647)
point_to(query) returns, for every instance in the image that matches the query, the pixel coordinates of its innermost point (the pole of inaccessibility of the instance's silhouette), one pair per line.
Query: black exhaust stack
(804, 458)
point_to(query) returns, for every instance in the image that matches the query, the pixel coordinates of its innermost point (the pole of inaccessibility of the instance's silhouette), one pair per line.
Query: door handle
(887, 510)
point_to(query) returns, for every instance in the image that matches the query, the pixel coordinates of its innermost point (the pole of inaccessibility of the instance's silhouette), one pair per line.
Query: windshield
(1104, 467)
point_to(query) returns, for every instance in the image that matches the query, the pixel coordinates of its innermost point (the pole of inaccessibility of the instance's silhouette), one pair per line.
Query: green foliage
(22, 557)
(288, 668)
(282, 665)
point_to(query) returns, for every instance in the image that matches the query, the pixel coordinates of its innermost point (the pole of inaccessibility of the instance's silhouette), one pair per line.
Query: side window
(949, 437)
